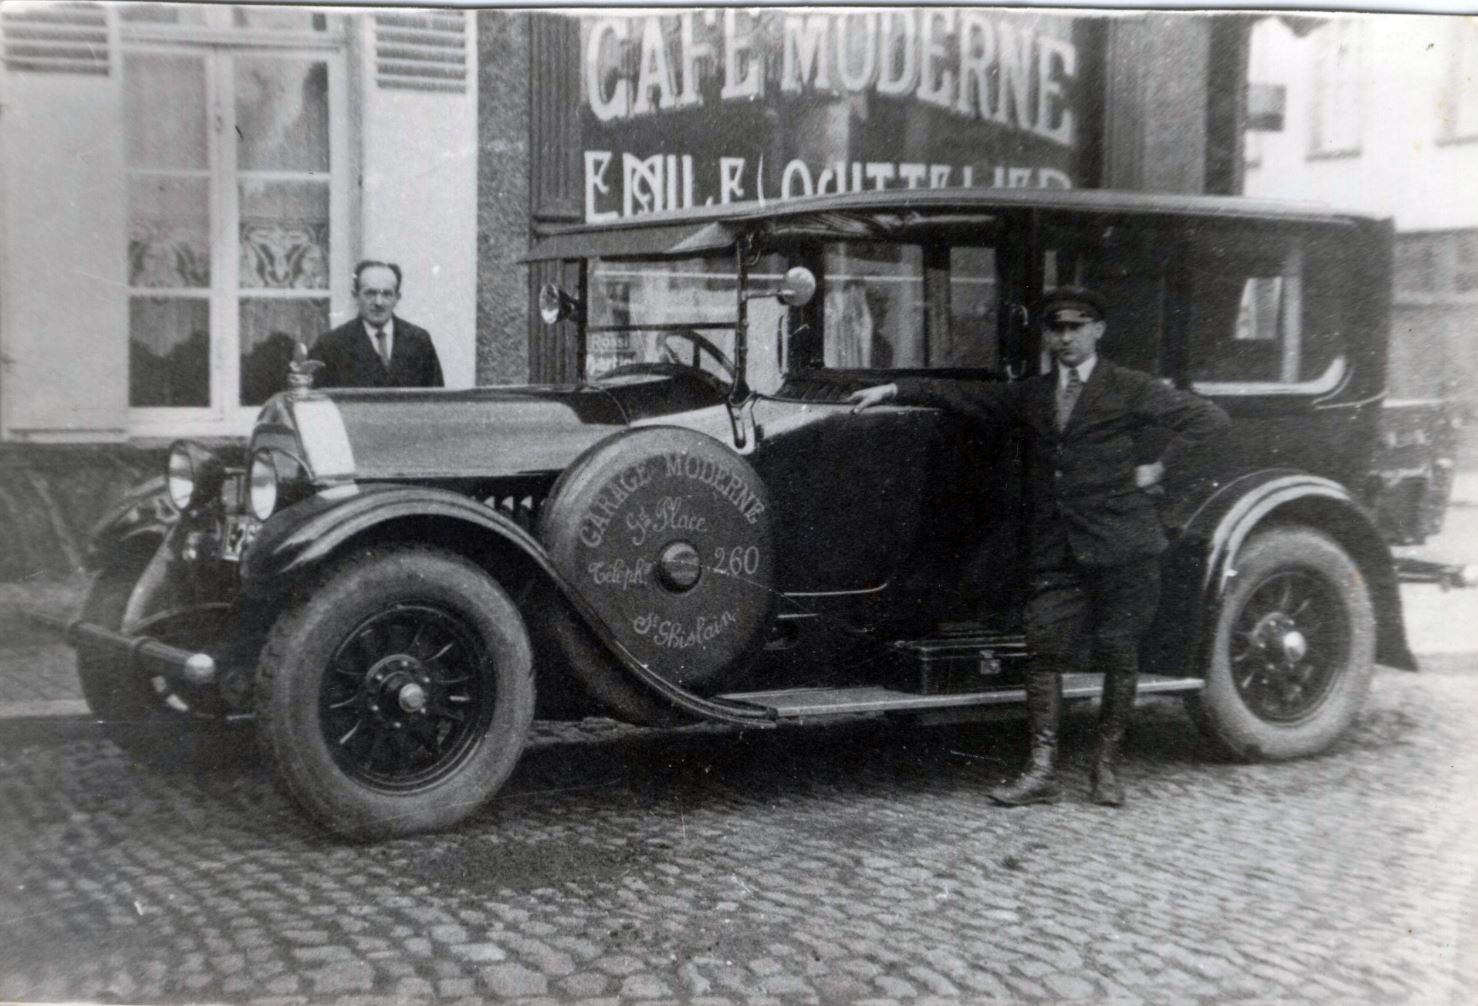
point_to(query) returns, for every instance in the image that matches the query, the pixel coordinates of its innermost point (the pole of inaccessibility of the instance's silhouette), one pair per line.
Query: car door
(892, 503)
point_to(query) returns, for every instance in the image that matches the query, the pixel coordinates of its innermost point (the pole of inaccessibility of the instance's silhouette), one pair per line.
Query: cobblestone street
(840, 865)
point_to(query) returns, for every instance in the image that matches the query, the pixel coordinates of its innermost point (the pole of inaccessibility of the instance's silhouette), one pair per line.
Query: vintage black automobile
(700, 528)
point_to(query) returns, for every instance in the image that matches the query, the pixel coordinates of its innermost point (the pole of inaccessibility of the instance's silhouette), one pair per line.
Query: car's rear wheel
(1294, 649)
(397, 698)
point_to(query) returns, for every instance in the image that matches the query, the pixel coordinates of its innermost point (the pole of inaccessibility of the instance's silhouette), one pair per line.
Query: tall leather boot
(1119, 688)
(1038, 784)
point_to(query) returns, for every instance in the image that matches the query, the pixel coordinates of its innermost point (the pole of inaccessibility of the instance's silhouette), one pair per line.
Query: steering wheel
(701, 345)
(672, 364)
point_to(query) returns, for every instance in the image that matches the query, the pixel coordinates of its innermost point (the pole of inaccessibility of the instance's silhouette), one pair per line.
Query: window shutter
(422, 50)
(56, 38)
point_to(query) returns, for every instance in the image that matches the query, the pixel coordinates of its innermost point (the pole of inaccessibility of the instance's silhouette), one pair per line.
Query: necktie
(382, 343)
(1067, 397)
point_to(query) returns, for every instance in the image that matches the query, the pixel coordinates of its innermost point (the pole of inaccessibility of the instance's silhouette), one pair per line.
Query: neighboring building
(187, 187)
(1381, 113)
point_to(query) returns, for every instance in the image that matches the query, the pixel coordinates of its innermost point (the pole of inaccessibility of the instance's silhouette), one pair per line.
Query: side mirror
(555, 305)
(798, 287)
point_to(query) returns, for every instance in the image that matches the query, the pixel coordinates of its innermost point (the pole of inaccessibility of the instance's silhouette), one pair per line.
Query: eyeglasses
(1066, 326)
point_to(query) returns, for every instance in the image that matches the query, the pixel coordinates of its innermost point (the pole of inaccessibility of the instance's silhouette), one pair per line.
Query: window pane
(652, 293)
(164, 104)
(1131, 268)
(268, 18)
(269, 329)
(161, 13)
(169, 351)
(873, 305)
(169, 232)
(284, 235)
(973, 297)
(281, 115)
(1246, 310)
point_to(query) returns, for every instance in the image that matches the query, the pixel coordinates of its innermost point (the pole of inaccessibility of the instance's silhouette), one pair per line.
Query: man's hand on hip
(876, 395)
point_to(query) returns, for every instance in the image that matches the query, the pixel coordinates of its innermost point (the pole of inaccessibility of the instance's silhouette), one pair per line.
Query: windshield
(649, 314)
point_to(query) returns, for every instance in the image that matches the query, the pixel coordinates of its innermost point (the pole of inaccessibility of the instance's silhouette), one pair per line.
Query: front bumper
(144, 654)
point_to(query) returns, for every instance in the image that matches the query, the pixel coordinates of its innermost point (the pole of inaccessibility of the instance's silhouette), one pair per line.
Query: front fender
(300, 539)
(1201, 565)
(144, 513)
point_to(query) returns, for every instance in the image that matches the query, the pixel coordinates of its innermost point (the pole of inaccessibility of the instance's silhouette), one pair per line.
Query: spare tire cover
(665, 533)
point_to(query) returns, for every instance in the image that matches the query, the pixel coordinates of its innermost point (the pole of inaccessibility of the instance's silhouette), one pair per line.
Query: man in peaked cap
(1096, 536)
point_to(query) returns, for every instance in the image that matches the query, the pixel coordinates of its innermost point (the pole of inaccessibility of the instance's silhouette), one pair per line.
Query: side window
(972, 336)
(900, 306)
(1260, 321)
(1132, 267)
(872, 305)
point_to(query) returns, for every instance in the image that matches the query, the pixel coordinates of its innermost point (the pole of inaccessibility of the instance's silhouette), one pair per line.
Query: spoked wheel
(407, 699)
(1288, 645)
(397, 698)
(1294, 648)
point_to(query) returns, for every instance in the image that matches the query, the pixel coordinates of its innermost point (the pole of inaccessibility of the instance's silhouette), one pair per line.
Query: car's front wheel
(1294, 649)
(397, 698)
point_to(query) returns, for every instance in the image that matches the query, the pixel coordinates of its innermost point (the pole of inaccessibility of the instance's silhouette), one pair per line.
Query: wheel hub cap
(397, 684)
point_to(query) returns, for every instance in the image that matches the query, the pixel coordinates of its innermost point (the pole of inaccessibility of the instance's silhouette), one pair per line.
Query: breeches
(1075, 611)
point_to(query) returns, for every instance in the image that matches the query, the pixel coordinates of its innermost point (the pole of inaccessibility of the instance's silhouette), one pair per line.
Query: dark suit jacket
(1081, 479)
(350, 361)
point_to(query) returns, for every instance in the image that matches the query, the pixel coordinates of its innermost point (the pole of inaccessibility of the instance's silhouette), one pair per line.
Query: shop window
(1338, 110)
(1257, 323)
(232, 192)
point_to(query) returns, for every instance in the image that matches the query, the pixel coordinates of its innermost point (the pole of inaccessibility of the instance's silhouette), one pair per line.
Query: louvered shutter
(421, 50)
(56, 38)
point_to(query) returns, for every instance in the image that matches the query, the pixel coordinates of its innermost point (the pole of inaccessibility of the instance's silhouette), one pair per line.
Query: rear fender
(1201, 567)
(301, 539)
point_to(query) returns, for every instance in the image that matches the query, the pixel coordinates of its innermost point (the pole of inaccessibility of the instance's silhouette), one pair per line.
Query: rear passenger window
(1260, 321)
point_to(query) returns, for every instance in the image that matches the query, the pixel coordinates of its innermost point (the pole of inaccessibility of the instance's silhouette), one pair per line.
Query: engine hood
(438, 434)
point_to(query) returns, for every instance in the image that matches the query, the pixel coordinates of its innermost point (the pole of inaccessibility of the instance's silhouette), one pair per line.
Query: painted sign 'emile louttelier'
(700, 108)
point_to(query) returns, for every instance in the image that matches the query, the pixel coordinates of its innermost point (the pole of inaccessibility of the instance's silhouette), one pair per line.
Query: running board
(796, 703)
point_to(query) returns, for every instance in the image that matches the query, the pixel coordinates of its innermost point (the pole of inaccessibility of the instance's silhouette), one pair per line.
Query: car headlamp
(261, 485)
(193, 476)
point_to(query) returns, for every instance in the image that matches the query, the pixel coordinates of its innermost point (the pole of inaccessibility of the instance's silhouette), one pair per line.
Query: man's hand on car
(868, 397)
(1148, 477)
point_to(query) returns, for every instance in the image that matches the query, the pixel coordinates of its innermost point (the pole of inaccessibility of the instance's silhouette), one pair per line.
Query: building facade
(1381, 114)
(184, 189)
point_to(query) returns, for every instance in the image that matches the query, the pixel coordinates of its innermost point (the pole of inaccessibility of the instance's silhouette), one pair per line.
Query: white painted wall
(1403, 168)
(419, 204)
(63, 260)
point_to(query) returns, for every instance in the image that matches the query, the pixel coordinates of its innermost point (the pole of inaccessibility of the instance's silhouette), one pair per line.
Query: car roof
(710, 228)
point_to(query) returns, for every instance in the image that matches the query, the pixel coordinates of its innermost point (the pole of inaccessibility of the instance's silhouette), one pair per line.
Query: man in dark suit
(377, 349)
(1095, 532)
